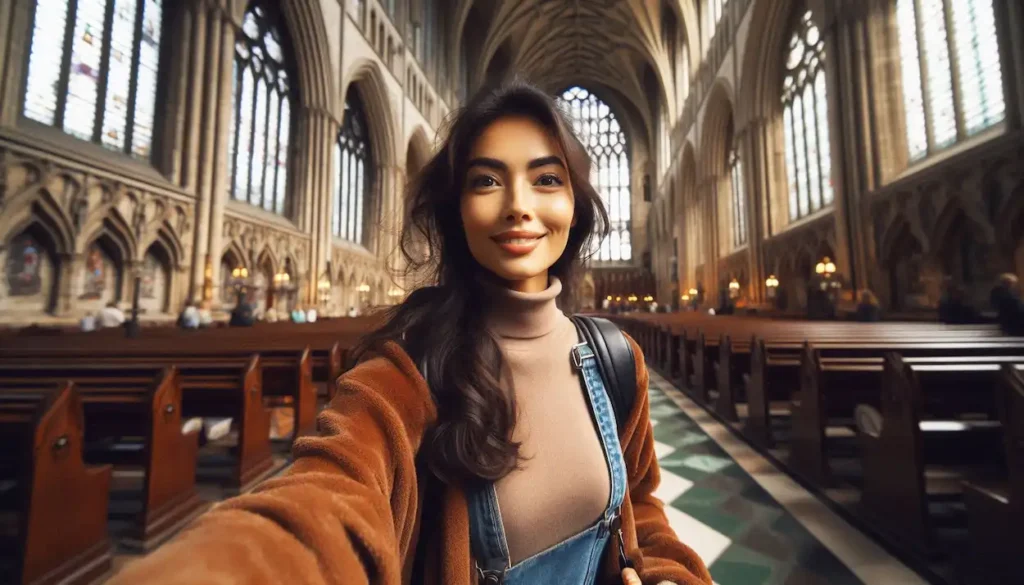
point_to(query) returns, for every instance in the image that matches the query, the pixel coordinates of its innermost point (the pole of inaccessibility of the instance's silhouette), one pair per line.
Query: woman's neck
(513, 314)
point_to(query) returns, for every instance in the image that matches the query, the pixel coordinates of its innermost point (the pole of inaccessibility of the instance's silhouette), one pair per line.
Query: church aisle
(751, 523)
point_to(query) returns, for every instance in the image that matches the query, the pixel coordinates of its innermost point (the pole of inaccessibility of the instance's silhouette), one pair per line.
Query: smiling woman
(466, 446)
(517, 205)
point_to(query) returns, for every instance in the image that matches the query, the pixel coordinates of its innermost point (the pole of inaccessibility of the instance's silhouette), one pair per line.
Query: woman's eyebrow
(545, 161)
(493, 163)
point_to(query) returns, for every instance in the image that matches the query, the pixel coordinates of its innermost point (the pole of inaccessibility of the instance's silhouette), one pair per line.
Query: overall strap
(615, 360)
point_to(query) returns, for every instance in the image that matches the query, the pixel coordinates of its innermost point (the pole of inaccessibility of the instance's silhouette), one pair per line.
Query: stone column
(191, 156)
(846, 37)
(1010, 31)
(215, 141)
(70, 281)
(323, 130)
(754, 167)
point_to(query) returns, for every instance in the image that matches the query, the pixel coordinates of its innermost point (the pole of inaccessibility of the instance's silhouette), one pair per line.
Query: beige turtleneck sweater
(563, 484)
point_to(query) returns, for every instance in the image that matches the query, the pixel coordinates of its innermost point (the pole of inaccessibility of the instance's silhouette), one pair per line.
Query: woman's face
(517, 203)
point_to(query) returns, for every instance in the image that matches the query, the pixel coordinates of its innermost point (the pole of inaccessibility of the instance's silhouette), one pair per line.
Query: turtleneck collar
(519, 315)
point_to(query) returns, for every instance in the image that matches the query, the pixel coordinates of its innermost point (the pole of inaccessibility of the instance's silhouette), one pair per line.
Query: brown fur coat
(346, 512)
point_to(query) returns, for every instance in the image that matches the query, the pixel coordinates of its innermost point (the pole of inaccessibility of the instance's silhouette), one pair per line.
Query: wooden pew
(287, 375)
(55, 509)
(920, 401)
(995, 509)
(212, 386)
(133, 419)
(833, 381)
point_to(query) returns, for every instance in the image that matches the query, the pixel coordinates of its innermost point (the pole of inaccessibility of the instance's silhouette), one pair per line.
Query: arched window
(263, 94)
(805, 117)
(353, 172)
(945, 43)
(739, 199)
(715, 9)
(92, 70)
(599, 130)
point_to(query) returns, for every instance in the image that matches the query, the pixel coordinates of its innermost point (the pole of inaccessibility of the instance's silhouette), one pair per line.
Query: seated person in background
(352, 312)
(88, 322)
(1005, 299)
(954, 308)
(189, 318)
(270, 315)
(298, 315)
(110, 316)
(205, 316)
(241, 315)
(868, 310)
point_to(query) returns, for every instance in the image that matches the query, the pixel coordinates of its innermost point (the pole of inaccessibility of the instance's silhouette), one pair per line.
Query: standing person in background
(504, 463)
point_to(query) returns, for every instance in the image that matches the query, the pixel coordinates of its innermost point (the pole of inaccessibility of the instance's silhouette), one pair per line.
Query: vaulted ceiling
(614, 47)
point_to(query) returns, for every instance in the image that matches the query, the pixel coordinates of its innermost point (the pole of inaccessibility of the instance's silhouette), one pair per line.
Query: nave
(750, 522)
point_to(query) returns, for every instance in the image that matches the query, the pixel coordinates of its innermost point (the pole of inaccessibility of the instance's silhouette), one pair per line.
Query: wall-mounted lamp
(826, 267)
(771, 285)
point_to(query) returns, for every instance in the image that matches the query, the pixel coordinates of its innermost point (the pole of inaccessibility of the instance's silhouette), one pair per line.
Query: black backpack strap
(615, 360)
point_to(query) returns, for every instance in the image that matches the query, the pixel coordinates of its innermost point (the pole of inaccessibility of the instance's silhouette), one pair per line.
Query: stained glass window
(353, 172)
(606, 142)
(99, 84)
(943, 42)
(715, 9)
(739, 199)
(261, 124)
(805, 121)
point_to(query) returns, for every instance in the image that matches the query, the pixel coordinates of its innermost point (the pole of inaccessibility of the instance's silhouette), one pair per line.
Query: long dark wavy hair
(442, 326)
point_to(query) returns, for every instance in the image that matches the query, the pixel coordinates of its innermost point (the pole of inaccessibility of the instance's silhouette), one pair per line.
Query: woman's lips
(518, 246)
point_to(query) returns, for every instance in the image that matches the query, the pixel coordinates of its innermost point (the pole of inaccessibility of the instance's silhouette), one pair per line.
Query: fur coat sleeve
(344, 512)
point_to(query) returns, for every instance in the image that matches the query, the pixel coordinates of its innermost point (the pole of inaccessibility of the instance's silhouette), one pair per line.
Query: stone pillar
(845, 36)
(754, 177)
(322, 132)
(214, 175)
(1010, 30)
(70, 281)
(191, 155)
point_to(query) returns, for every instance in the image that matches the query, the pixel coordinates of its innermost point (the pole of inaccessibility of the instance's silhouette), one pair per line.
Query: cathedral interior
(159, 152)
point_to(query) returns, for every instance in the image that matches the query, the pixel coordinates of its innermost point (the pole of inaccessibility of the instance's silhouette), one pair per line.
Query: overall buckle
(578, 357)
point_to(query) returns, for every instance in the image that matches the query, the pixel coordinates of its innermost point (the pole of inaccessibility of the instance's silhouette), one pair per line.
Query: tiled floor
(750, 522)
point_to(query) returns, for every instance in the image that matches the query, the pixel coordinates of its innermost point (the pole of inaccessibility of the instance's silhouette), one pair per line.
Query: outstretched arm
(344, 512)
(664, 557)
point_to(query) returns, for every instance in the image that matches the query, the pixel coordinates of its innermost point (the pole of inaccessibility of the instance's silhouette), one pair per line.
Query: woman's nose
(519, 202)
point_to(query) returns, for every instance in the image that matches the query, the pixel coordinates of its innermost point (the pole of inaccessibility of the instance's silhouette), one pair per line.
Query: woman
(495, 456)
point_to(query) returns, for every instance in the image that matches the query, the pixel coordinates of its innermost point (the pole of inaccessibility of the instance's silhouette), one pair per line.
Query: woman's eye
(550, 181)
(482, 181)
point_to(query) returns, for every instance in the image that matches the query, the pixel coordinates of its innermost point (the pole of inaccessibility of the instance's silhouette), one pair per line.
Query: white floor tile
(704, 540)
(661, 449)
(672, 486)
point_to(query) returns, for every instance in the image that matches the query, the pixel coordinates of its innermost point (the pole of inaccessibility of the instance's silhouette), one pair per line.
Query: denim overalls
(577, 560)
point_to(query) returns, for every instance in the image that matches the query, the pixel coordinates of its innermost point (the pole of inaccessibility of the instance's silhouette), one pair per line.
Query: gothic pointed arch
(355, 174)
(31, 268)
(605, 138)
(156, 276)
(264, 117)
(304, 24)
